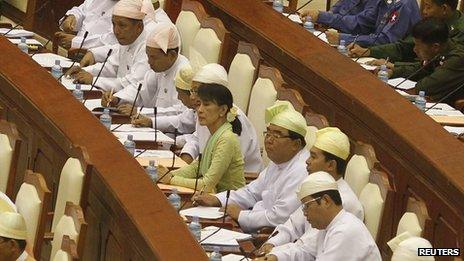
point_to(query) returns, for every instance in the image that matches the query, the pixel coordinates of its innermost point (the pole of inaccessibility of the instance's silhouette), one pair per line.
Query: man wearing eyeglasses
(13, 235)
(329, 154)
(271, 196)
(336, 234)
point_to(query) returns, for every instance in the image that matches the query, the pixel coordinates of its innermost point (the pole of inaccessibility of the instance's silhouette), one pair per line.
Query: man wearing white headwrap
(127, 64)
(13, 235)
(329, 153)
(337, 234)
(407, 250)
(216, 74)
(158, 89)
(271, 196)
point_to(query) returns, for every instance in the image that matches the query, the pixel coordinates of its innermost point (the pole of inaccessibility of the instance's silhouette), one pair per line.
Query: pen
(110, 98)
(354, 41)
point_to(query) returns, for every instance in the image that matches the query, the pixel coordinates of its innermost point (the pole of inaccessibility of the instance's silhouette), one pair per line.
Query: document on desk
(294, 17)
(48, 60)
(223, 237)
(439, 112)
(16, 33)
(233, 257)
(130, 128)
(92, 104)
(28, 41)
(363, 60)
(174, 110)
(144, 136)
(203, 212)
(454, 130)
(406, 85)
(439, 106)
(180, 190)
(68, 83)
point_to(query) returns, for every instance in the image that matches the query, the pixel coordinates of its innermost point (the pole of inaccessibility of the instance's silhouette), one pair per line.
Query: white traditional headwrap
(134, 9)
(333, 141)
(407, 250)
(212, 73)
(284, 115)
(184, 78)
(316, 182)
(164, 36)
(12, 225)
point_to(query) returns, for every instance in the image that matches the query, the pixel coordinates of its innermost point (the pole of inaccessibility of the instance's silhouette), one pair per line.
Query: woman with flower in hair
(220, 166)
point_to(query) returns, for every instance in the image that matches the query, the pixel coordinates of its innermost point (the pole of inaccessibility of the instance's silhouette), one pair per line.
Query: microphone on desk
(135, 100)
(28, 17)
(197, 177)
(299, 8)
(417, 71)
(155, 111)
(445, 97)
(78, 50)
(223, 218)
(242, 251)
(99, 72)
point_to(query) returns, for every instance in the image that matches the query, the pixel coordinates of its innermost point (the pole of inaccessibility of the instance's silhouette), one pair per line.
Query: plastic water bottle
(105, 118)
(174, 199)
(57, 71)
(383, 73)
(278, 5)
(308, 25)
(195, 227)
(216, 255)
(78, 93)
(23, 46)
(152, 171)
(342, 48)
(129, 144)
(420, 101)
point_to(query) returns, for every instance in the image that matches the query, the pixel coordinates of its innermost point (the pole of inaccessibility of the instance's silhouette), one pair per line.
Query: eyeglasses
(274, 135)
(305, 205)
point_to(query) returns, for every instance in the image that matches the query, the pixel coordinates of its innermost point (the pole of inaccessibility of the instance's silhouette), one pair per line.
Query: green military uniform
(440, 77)
(403, 50)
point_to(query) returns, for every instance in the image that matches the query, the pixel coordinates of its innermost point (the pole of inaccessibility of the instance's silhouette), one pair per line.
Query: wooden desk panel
(128, 217)
(421, 156)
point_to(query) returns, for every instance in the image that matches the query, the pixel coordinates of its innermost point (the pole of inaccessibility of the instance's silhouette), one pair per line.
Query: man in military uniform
(393, 20)
(403, 49)
(441, 69)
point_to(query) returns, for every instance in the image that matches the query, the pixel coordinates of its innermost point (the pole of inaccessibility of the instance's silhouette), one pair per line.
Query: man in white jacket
(271, 197)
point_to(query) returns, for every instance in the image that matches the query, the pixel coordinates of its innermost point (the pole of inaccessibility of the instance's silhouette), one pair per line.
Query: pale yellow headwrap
(12, 225)
(6, 205)
(284, 115)
(164, 37)
(184, 77)
(134, 9)
(333, 141)
(212, 73)
(407, 250)
(316, 182)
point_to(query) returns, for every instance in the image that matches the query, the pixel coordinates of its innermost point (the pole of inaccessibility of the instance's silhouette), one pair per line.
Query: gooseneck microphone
(78, 50)
(99, 72)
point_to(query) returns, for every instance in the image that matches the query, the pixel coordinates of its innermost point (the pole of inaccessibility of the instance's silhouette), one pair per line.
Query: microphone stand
(299, 8)
(80, 47)
(416, 72)
(99, 72)
(445, 97)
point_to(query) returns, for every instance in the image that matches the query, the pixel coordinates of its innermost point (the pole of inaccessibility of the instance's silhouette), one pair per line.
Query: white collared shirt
(23, 256)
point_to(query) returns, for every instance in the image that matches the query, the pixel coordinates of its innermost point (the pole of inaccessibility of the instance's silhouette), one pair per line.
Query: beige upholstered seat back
(357, 173)
(6, 155)
(207, 43)
(410, 223)
(373, 203)
(241, 75)
(69, 188)
(29, 206)
(62, 256)
(64, 227)
(6, 205)
(188, 25)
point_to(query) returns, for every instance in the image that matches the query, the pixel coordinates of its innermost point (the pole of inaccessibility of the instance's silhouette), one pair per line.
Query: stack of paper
(48, 60)
(92, 104)
(439, 106)
(68, 83)
(203, 212)
(223, 237)
(142, 134)
(294, 17)
(28, 41)
(180, 190)
(16, 33)
(439, 112)
(233, 257)
(406, 85)
(454, 130)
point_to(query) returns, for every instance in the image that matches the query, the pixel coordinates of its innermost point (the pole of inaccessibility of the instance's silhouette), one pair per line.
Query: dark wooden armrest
(6, 25)
(48, 236)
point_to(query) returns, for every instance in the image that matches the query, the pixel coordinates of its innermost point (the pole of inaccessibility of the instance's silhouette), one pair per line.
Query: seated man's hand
(389, 71)
(69, 24)
(314, 14)
(87, 60)
(186, 157)
(165, 177)
(233, 211)
(64, 39)
(355, 50)
(126, 109)
(267, 258)
(83, 77)
(109, 100)
(142, 121)
(206, 200)
(265, 249)
(379, 62)
(73, 70)
(333, 37)
(176, 149)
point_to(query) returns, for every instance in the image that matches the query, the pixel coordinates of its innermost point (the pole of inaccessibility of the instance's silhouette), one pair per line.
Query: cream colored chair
(6, 205)
(409, 223)
(263, 95)
(32, 202)
(10, 145)
(74, 180)
(243, 72)
(357, 173)
(212, 41)
(188, 23)
(68, 251)
(372, 202)
(73, 225)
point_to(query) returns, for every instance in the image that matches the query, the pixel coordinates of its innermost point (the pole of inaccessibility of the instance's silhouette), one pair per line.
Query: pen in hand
(109, 98)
